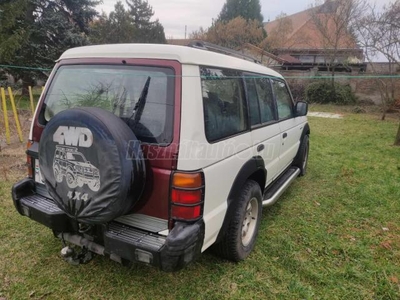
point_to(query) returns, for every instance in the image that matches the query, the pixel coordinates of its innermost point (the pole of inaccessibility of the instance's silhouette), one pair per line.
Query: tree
(333, 22)
(34, 33)
(117, 28)
(247, 9)
(379, 33)
(147, 31)
(200, 34)
(233, 34)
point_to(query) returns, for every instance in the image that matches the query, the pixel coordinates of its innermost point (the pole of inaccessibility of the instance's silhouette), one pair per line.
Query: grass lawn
(335, 234)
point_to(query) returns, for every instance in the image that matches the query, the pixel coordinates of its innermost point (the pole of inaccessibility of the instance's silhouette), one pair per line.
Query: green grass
(23, 102)
(326, 238)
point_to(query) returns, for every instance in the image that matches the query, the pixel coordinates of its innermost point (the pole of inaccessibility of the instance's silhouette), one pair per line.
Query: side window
(254, 107)
(223, 101)
(283, 100)
(266, 98)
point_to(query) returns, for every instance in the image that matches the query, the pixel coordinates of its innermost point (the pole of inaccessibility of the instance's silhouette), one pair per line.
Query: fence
(15, 101)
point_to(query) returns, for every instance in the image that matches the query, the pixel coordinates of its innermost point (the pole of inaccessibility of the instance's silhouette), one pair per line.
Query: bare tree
(279, 35)
(332, 21)
(232, 34)
(378, 32)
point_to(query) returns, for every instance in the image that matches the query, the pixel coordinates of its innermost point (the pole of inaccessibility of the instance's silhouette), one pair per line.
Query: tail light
(29, 161)
(187, 196)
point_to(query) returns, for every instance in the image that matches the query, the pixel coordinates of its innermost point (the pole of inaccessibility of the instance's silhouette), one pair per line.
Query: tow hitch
(76, 258)
(84, 255)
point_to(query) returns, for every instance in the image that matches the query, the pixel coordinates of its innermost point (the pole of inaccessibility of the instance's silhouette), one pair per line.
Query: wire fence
(17, 108)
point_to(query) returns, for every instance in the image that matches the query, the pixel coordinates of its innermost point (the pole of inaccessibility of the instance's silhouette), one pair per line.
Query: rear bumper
(171, 253)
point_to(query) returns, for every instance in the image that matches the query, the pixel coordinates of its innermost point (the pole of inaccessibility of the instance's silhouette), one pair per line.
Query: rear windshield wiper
(140, 104)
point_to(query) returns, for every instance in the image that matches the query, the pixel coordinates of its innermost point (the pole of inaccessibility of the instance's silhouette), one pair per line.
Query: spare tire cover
(92, 164)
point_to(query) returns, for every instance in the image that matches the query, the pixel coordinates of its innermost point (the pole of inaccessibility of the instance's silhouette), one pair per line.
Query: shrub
(324, 92)
(298, 89)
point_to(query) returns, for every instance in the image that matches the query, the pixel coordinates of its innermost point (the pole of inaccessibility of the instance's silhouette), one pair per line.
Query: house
(311, 40)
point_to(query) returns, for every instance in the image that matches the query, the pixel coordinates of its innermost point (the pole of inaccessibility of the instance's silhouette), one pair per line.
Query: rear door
(290, 127)
(264, 123)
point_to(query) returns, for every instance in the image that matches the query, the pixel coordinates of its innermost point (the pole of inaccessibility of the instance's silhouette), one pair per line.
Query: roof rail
(219, 49)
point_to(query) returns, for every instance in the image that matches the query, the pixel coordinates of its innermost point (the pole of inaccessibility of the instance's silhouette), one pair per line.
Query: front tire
(240, 237)
(71, 180)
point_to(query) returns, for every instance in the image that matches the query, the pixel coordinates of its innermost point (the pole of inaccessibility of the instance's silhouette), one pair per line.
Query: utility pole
(185, 31)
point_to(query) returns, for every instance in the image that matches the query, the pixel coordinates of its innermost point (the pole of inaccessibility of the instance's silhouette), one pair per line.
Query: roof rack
(219, 49)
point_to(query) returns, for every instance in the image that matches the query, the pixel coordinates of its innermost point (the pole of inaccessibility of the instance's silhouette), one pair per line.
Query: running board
(280, 186)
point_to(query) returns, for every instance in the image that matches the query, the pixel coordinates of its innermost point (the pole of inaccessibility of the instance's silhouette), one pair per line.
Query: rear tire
(57, 173)
(240, 237)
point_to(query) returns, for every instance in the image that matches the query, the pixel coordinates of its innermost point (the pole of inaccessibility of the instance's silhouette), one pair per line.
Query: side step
(280, 186)
(146, 223)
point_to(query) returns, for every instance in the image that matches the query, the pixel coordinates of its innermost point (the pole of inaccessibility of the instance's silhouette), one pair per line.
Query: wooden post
(3, 98)
(10, 94)
(32, 101)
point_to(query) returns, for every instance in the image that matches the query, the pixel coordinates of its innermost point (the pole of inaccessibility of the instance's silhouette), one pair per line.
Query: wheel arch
(253, 169)
(306, 131)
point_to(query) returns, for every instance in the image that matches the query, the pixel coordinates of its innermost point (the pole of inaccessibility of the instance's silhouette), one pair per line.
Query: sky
(175, 14)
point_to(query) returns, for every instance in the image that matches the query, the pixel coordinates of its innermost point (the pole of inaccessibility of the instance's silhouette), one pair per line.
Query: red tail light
(186, 212)
(187, 195)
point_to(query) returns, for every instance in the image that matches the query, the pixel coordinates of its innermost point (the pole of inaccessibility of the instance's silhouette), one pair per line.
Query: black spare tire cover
(92, 164)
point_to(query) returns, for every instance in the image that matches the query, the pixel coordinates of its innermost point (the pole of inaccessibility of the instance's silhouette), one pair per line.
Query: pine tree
(113, 29)
(147, 31)
(35, 33)
(247, 9)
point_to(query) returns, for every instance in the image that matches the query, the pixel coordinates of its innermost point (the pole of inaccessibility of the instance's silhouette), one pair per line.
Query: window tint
(265, 95)
(283, 100)
(117, 89)
(253, 102)
(223, 101)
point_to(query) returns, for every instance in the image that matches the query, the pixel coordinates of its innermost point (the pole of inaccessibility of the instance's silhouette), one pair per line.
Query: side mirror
(301, 109)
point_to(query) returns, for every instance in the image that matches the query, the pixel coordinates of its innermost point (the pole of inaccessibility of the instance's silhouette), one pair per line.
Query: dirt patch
(13, 157)
(25, 119)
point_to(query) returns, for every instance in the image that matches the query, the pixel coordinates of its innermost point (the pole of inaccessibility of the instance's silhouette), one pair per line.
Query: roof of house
(305, 34)
(185, 55)
(258, 50)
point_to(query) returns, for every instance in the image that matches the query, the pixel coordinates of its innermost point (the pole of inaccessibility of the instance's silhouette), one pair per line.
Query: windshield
(117, 89)
(76, 157)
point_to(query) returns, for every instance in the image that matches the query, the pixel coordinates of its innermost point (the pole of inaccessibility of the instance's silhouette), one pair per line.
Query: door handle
(260, 148)
(285, 135)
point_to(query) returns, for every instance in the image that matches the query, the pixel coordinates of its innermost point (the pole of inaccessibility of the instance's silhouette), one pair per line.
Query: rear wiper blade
(140, 104)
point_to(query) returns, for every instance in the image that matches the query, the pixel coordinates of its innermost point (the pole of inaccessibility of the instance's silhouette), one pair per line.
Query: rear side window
(225, 111)
(266, 98)
(117, 89)
(283, 100)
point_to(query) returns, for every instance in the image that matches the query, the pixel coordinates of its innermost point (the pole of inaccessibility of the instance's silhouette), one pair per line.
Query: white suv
(188, 146)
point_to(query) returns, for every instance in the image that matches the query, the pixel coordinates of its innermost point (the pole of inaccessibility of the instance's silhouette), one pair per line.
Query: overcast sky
(175, 14)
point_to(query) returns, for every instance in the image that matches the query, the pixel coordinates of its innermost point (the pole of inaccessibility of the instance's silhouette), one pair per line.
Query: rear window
(117, 89)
